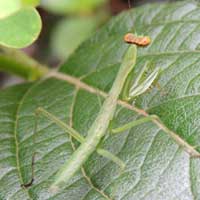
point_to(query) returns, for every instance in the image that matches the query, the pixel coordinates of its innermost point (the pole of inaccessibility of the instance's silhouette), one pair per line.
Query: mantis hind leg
(74, 134)
(112, 157)
(133, 123)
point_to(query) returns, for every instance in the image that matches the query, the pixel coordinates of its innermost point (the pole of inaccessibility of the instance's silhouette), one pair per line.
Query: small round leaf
(20, 29)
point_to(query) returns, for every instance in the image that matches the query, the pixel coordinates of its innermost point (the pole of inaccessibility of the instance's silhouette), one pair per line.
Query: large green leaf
(156, 166)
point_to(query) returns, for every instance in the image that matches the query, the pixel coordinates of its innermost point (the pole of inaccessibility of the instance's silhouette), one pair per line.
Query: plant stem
(16, 62)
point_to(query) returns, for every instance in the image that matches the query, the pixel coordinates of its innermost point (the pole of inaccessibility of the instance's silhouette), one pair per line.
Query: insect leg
(80, 138)
(61, 124)
(112, 157)
(139, 86)
(133, 123)
(140, 74)
(77, 136)
(137, 90)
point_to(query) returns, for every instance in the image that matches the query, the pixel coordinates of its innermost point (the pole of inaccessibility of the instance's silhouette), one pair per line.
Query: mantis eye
(129, 37)
(145, 41)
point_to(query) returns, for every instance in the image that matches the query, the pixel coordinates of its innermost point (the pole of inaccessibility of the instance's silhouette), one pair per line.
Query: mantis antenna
(129, 4)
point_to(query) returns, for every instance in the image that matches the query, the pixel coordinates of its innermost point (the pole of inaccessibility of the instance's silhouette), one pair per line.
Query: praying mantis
(98, 129)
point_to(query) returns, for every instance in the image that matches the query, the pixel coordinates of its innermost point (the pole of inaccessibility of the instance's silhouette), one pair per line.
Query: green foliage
(156, 167)
(70, 33)
(71, 6)
(33, 3)
(9, 7)
(19, 25)
(81, 19)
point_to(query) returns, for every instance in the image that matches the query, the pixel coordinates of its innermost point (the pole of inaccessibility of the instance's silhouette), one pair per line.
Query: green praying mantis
(98, 129)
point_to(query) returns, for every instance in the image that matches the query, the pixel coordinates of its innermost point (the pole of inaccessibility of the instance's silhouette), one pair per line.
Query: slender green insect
(99, 126)
(98, 129)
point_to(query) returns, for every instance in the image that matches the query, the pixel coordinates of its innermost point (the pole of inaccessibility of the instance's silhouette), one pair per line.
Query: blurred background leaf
(59, 37)
(69, 33)
(20, 29)
(8, 7)
(72, 6)
(77, 21)
(20, 23)
(33, 3)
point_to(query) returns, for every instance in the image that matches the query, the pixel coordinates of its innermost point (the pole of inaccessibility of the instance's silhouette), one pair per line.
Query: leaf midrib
(18, 165)
(171, 22)
(169, 53)
(180, 141)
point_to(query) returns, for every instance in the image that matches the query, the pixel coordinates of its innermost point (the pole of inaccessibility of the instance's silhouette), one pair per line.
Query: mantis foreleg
(139, 86)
